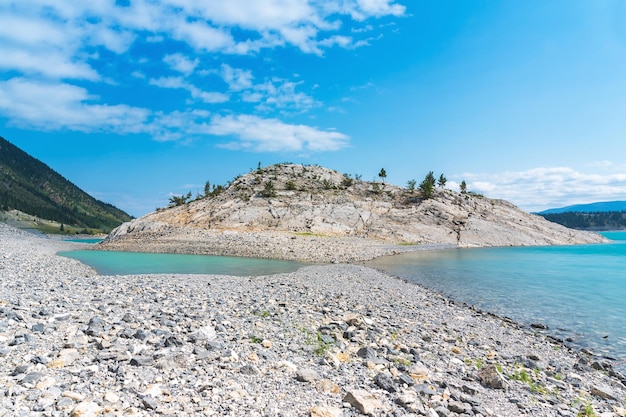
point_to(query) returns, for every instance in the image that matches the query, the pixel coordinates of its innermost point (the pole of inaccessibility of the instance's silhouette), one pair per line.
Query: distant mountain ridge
(599, 207)
(32, 187)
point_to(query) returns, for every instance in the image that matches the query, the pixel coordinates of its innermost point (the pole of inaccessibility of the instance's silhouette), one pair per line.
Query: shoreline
(290, 246)
(325, 340)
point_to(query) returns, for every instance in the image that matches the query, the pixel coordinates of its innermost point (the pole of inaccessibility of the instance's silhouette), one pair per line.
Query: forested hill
(30, 186)
(597, 221)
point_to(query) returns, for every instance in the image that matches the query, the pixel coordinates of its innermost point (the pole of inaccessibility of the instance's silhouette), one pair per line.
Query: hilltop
(29, 186)
(292, 211)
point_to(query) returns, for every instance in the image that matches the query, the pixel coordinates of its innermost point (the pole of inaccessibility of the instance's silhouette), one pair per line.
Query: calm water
(86, 240)
(578, 291)
(127, 263)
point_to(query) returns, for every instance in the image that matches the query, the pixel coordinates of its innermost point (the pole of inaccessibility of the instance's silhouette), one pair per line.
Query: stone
(73, 395)
(418, 372)
(364, 401)
(307, 375)
(45, 383)
(95, 327)
(248, 370)
(605, 392)
(66, 357)
(328, 386)
(406, 379)
(111, 397)
(425, 389)
(353, 319)
(459, 407)
(367, 353)
(410, 401)
(442, 411)
(491, 378)
(86, 409)
(141, 361)
(205, 333)
(32, 378)
(318, 411)
(385, 382)
(149, 403)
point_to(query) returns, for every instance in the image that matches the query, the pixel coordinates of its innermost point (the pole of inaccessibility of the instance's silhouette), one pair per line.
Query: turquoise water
(128, 263)
(578, 291)
(86, 240)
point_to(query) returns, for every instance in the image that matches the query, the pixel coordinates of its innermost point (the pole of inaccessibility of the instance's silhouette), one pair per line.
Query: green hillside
(30, 186)
(607, 220)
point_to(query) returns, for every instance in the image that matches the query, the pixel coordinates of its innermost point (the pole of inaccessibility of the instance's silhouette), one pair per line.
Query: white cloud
(272, 135)
(282, 94)
(52, 37)
(59, 106)
(52, 64)
(237, 79)
(363, 9)
(179, 82)
(53, 106)
(181, 63)
(49, 46)
(202, 36)
(541, 188)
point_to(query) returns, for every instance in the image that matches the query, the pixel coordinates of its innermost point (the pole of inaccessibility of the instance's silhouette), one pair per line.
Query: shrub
(269, 190)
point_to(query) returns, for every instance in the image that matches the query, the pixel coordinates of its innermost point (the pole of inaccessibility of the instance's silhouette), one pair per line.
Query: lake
(579, 291)
(129, 263)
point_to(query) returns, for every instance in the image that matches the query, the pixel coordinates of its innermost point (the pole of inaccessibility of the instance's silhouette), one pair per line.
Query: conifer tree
(442, 181)
(427, 186)
(382, 174)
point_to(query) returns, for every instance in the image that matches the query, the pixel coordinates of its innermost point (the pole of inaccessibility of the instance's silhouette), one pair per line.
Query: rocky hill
(290, 211)
(32, 187)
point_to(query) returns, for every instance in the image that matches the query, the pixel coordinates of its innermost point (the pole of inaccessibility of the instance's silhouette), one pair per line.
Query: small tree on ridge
(427, 186)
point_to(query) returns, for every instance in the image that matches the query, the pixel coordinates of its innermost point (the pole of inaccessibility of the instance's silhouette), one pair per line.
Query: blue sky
(138, 100)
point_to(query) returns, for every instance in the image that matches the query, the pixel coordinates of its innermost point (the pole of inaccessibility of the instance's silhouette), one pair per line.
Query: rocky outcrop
(311, 202)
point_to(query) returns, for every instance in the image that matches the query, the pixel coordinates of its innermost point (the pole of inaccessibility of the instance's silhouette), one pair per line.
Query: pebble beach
(336, 340)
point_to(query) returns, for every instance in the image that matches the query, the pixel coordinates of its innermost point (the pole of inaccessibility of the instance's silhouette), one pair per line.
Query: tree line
(426, 188)
(608, 220)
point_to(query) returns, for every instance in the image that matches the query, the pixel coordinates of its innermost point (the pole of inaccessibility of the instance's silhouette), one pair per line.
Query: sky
(135, 101)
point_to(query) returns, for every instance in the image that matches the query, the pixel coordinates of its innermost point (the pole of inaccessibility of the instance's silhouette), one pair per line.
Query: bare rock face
(287, 203)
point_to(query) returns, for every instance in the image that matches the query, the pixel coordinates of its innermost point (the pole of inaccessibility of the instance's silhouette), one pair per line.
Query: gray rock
(142, 361)
(442, 411)
(38, 328)
(248, 370)
(406, 379)
(367, 353)
(605, 392)
(307, 375)
(149, 403)
(385, 382)
(32, 378)
(491, 378)
(459, 407)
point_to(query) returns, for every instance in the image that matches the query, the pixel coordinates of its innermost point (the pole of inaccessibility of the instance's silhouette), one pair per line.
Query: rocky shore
(332, 340)
(303, 247)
